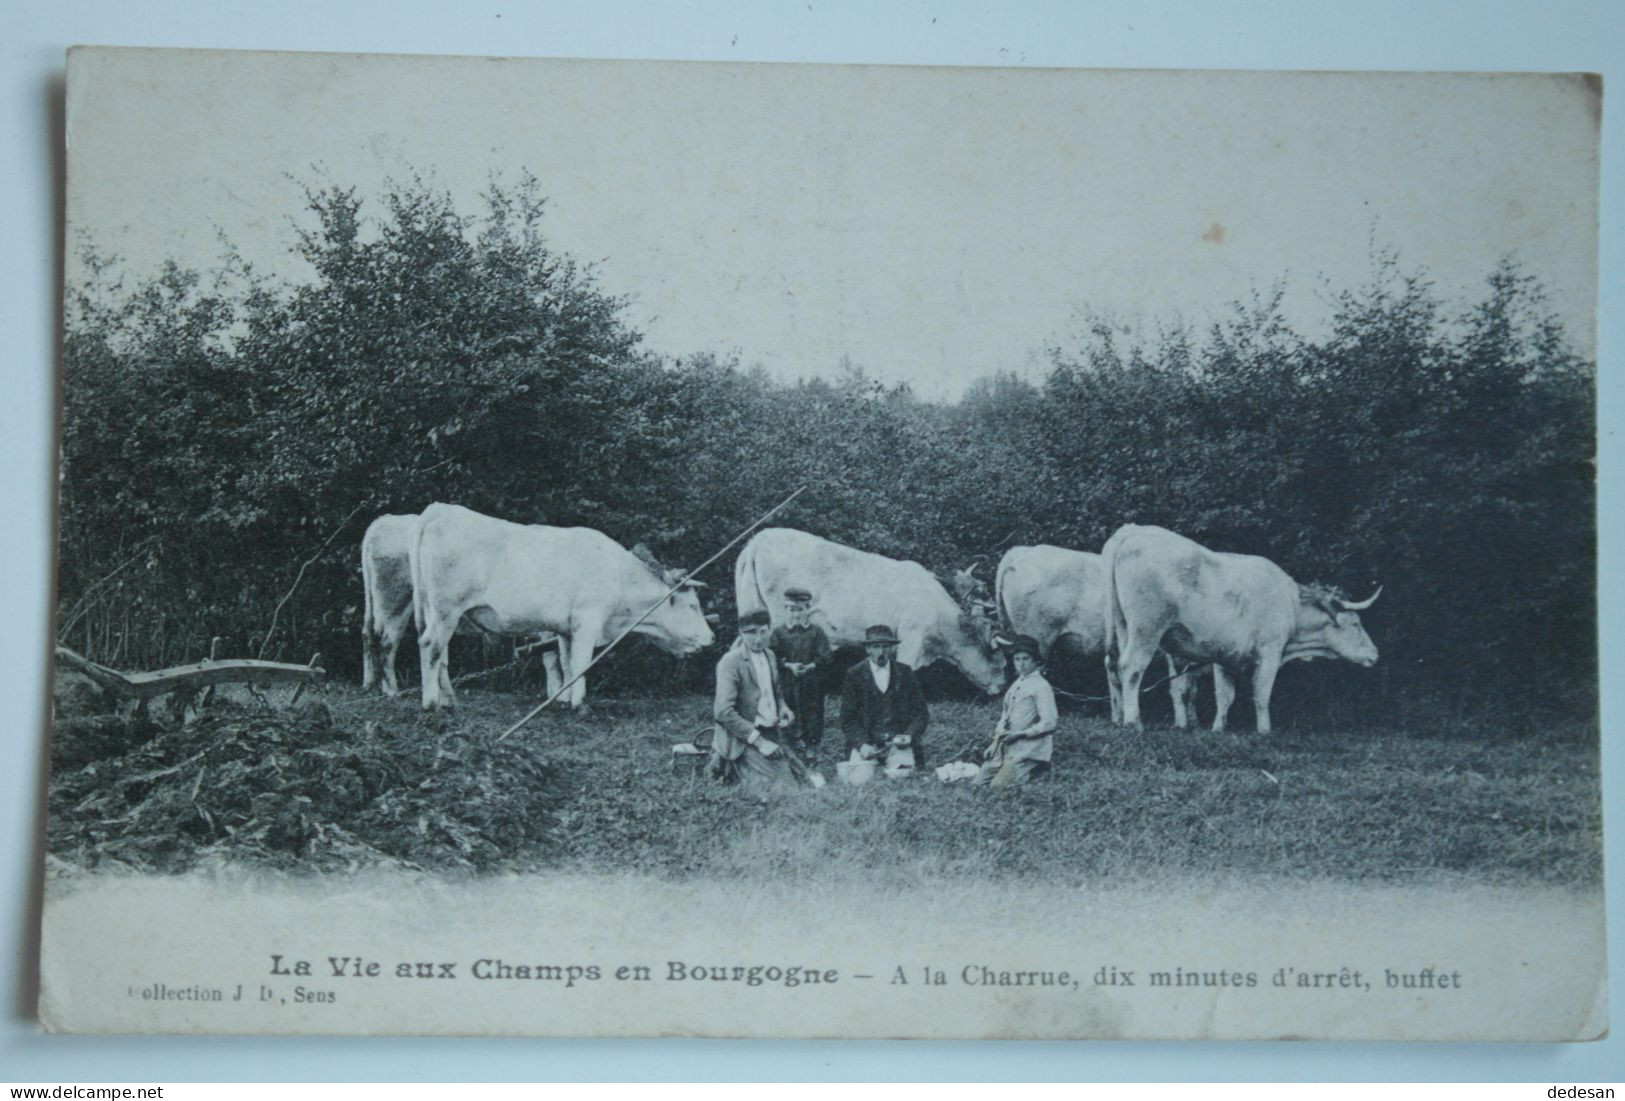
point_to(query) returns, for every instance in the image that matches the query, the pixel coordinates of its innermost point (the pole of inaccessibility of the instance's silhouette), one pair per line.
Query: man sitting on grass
(883, 713)
(750, 712)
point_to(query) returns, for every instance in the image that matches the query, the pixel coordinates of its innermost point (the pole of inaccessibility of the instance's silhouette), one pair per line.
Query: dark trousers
(756, 771)
(805, 696)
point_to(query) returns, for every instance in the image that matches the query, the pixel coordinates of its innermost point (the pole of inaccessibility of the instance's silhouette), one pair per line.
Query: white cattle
(1238, 611)
(517, 579)
(1055, 594)
(856, 589)
(386, 582)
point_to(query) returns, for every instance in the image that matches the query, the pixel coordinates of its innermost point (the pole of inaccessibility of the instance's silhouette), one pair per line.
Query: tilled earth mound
(293, 789)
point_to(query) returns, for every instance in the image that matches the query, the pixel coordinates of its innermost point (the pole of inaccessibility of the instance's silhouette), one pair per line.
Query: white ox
(1237, 611)
(517, 579)
(386, 581)
(1055, 594)
(856, 589)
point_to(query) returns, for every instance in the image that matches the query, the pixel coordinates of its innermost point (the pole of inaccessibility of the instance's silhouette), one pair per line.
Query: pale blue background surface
(1413, 34)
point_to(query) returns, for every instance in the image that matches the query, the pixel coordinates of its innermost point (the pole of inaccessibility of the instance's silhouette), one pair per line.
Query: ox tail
(748, 594)
(369, 586)
(371, 649)
(414, 567)
(1116, 624)
(1006, 567)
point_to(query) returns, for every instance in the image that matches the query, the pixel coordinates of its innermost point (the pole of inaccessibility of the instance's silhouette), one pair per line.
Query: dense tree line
(226, 440)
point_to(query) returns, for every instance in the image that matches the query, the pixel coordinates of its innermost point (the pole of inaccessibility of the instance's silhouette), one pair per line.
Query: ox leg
(581, 641)
(381, 670)
(389, 646)
(1182, 688)
(1134, 659)
(554, 670)
(369, 656)
(434, 640)
(1224, 694)
(427, 677)
(1263, 685)
(555, 662)
(447, 692)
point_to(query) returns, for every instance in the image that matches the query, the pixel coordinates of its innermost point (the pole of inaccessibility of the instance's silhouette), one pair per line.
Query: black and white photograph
(633, 548)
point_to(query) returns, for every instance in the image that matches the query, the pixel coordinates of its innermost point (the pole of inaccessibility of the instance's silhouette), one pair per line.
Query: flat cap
(1021, 644)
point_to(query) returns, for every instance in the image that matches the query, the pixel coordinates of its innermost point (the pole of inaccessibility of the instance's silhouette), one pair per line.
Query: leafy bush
(226, 440)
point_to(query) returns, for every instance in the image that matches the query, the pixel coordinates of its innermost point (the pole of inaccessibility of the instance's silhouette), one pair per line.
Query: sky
(929, 224)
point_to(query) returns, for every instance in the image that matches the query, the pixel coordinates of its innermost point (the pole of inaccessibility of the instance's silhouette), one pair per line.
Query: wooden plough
(190, 678)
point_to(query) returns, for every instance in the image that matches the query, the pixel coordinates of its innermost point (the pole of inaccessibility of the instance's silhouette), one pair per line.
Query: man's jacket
(869, 717)
(737, 700)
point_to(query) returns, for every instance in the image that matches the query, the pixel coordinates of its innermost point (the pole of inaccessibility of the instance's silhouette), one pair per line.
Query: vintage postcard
(621, 548)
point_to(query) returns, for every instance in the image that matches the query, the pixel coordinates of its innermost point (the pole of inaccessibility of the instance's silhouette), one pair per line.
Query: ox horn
(678, 577)
(1350, 606)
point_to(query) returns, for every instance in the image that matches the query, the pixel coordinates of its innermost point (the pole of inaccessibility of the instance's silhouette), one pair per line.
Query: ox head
(679, 625)
(965, 585)
(961, 632)
(1329, 627)
(978, 623)
(971, 648)
(978, 614)
(676, 578)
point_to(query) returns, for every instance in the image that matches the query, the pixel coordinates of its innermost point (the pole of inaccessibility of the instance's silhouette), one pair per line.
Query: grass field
(366, 782)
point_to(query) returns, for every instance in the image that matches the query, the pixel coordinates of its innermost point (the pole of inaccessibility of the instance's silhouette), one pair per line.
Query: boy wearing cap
(750, 711)
(803, 651)
(881, 704)
(1025, 736)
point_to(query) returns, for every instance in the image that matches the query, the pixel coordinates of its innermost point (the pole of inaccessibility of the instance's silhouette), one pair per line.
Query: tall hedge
(226, 440)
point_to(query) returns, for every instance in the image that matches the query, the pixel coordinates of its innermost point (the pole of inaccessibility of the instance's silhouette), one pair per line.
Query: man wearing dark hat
(1025, 736)
(750, 711)
(881, 704)
(804, 652)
